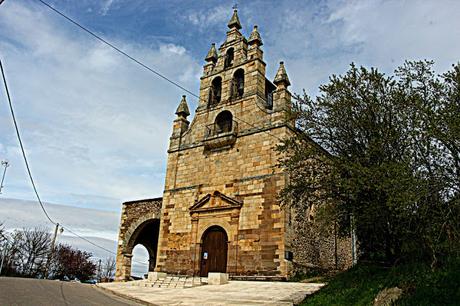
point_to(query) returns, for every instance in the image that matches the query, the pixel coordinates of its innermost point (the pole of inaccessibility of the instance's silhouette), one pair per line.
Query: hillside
(420, 285)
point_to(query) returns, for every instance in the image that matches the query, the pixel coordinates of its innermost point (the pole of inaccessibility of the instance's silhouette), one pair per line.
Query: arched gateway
(140, 224)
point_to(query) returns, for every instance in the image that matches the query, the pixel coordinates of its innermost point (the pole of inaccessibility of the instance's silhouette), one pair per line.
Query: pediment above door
(215, 202)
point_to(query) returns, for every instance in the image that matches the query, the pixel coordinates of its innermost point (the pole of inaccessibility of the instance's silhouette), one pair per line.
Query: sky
(96, 126)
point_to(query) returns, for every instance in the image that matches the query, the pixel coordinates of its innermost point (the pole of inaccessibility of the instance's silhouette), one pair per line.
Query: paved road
(36, 292)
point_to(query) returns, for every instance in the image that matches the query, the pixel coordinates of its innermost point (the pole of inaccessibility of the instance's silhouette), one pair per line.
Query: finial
(255, 38)
(212, 54)
(182, 110)
(281, 76)
(234, 21)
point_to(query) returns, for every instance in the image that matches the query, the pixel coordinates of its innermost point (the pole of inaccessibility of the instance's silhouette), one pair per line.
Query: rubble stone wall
(133, 215)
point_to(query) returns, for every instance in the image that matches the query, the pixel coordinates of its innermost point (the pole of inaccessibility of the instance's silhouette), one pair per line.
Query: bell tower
(236, 70)
(221, 178)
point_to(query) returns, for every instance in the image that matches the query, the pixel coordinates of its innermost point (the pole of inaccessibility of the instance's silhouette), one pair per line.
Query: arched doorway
(214, 245)
(146, 234)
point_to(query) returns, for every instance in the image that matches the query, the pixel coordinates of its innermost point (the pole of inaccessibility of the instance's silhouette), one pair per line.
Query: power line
(117, 49)
(121, 52)
(159, 74)
(21, 144)
(94, 244)
(87, 240)
(29, 172)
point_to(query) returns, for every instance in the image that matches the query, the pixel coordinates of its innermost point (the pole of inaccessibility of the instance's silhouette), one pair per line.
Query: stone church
(220, 210)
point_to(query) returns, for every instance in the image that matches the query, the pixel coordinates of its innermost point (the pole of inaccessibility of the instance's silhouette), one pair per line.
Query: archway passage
(214, 251)
(146, 234)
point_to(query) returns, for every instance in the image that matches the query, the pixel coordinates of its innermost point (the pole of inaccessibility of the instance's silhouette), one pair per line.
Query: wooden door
(214, 251)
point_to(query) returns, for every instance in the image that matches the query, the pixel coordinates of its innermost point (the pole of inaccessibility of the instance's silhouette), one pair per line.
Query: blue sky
(96, 126)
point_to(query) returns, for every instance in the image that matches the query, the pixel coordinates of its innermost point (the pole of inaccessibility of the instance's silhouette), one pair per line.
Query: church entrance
(214, 251)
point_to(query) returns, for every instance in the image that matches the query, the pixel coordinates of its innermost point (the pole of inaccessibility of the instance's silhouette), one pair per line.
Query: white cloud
(321, 39)
(206, 18)
(96, 125)
(100, 227)
(388, 32)
(93, 122)
(16, 214)
(106, 7)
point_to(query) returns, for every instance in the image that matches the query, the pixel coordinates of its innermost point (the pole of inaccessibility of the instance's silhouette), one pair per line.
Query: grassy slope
(421, 286)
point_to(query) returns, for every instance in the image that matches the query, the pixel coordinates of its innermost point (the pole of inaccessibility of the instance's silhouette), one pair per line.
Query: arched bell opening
(237, 85)
(224, 122)
(215, 91)
(229, 57)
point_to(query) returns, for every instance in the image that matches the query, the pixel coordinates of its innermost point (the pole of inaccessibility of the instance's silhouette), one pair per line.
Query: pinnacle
(182, 109)
(281, 76)
(234, 21)
(255, 38)
(212, 54)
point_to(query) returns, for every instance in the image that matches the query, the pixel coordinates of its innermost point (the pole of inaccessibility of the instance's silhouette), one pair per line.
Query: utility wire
(96, 245)
(138, 61)
(21, 145)
(29, 172)
(117, 49)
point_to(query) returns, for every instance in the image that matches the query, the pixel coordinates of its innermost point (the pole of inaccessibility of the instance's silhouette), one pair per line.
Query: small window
(215, 91)
(237, 88)
(223, 123)
(229, 56)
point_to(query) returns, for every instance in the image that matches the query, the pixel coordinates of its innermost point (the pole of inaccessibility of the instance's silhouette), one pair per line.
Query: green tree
(384, 150)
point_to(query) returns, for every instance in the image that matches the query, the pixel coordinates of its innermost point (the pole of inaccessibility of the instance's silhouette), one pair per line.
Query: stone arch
(140, 224)
(211, 227)
(146, 234)
(135, 225)
(224, 225)
(224, 122)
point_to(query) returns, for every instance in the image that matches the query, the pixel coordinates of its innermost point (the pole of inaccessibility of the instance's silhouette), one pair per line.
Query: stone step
(171, 281)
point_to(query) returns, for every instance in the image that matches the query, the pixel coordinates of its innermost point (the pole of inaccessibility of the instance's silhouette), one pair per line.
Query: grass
(420, 285)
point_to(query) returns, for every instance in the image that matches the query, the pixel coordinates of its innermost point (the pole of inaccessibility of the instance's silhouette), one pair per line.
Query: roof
(143, 200)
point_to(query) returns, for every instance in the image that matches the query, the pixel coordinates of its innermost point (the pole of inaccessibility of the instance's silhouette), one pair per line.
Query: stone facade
(228, 178)
(221, 171)
(315, 247)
